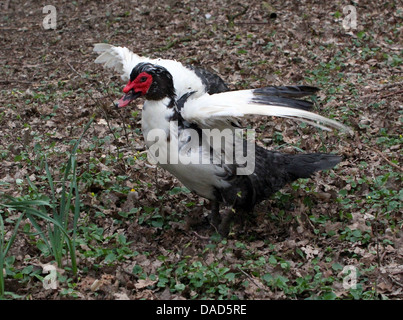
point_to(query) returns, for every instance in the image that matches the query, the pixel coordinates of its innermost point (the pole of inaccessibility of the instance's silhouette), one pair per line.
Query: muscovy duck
(171, 99)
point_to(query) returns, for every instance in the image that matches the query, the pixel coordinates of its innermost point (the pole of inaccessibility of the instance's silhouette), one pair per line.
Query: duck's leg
(223, 229)
(214, 216)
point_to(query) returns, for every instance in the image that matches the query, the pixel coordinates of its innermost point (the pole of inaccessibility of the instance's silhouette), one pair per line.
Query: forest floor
(140, 234)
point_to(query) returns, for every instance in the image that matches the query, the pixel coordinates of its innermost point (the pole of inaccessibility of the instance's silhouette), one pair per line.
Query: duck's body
(181, 121)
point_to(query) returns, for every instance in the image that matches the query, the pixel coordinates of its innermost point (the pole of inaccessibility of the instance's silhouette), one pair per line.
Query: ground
(139, 233)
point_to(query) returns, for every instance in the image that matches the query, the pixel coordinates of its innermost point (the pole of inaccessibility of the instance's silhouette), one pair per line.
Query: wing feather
(218, 110)
(120, 59)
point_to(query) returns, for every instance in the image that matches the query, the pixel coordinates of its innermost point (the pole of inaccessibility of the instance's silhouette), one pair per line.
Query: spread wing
(122, 61)
(222, 109)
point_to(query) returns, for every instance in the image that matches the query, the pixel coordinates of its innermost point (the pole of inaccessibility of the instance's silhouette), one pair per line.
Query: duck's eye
(143, 79)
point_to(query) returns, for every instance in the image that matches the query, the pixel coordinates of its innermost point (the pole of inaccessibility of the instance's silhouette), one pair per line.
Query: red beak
(130, 96)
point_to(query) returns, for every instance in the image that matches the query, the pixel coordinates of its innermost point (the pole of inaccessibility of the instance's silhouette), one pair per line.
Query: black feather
(212, 82)
(285, 96)
(181, 101)
(162, 85)
(273, 170)
(304, 165)
(288, 91)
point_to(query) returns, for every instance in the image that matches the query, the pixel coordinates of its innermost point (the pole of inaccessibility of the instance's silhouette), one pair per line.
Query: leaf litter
(139, 227)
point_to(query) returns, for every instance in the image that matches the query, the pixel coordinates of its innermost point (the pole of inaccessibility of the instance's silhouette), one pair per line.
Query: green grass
(4, 248)
(54, 210)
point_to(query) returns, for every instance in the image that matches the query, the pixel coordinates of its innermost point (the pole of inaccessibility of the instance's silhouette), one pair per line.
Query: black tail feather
(288, 91)
(304, 165)
(285, 96)
(273, 170)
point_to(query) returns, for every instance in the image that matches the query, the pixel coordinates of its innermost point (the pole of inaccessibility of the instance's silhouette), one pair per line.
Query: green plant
(201, 279)
(4, 247)
(55, 211)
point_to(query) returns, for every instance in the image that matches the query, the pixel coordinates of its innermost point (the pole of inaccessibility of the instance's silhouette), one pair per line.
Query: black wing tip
(285, 96)
(308, 89)
(282, 101)
(287, 91)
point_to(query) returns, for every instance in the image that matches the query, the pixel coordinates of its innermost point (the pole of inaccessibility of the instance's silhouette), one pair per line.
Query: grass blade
(4, 249)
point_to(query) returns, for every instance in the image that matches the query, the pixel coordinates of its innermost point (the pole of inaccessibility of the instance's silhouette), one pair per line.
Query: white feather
(200, 178)
(119, 59)
(122, 60)
(217, 110)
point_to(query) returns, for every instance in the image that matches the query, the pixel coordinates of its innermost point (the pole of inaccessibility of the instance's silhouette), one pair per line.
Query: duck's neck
(156, 116)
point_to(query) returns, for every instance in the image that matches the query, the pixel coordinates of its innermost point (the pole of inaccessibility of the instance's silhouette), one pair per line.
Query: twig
(97, 103)
(72, 68)
(251, 279)
(384, 157)
(386, 86)
(391, 94)
(257, 22)
(199, 236)
(113, 102)
(397, 272)
(120, 114)
(100, 106)
(157, 187)
(16, 81)
(390, 85)
(307, 219)
(394, 280)
(231, 18)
